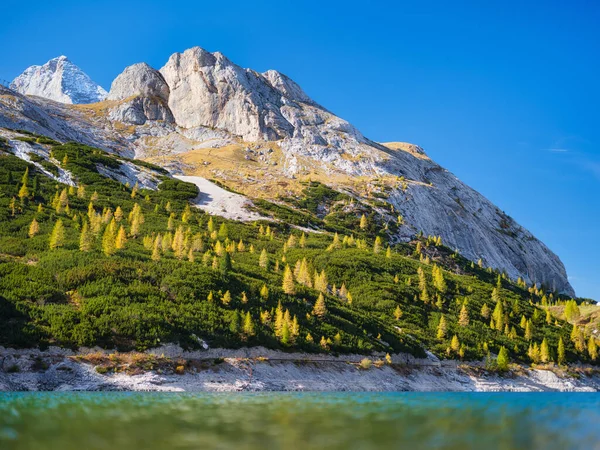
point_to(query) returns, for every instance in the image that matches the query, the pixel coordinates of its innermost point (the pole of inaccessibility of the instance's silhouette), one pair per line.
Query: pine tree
(498, 316)
(223, 232)
(108, 240)
(463, 317)
(303, 240)
(323, 343)
(455, 344)
(485, 311)
(529, 330)
(121, 238)
(248, 327)
(544, 351)
(442, 328)
(225, 263)
(156, 248)
(57, 237)
(363, 222)
(226, 299)
(34, 228)
(234, 325)
(264, 292)
(86, 238)
(438, 280)
(398, 312)
(23, 192)
(320, 309)
(523, 323)
(592, 348)
(388, 252)
(377, 245)
(502, 360)
(244, 298)
(495, 295)
(561, 352)
(263, 260)
(288, 281)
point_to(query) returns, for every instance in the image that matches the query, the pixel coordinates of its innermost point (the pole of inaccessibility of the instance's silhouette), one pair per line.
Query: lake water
(86, 421)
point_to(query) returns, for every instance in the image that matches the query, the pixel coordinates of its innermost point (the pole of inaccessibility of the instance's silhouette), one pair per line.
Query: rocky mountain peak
(59, 80)
(143, 95)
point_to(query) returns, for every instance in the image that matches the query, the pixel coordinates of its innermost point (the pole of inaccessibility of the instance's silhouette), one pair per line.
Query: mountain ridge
(208, 102)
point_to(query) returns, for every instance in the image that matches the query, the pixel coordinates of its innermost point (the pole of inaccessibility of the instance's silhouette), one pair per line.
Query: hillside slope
(119, 257)
(261, 134)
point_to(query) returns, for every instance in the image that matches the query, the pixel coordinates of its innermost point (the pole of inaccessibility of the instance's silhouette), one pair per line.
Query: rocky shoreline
(170, 369)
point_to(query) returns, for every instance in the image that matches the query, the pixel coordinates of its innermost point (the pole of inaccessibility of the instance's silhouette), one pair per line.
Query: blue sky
(505, 95)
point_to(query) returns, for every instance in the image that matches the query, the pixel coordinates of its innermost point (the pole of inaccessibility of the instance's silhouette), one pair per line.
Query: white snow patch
(23, 149)
(217, 201)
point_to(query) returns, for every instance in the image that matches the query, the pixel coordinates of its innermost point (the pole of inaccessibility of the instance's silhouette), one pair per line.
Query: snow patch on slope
(23, 149)
(217, 201)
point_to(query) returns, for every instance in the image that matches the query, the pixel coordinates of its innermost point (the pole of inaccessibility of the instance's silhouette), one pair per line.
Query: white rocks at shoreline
(259, 369)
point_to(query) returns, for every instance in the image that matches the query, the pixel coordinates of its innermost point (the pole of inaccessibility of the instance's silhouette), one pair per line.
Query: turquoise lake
(299, 421)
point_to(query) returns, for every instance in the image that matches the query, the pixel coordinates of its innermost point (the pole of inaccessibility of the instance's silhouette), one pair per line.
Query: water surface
(299, 421)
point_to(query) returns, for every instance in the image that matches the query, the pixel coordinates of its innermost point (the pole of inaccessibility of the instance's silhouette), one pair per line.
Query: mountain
(59, 80)
(263, 136)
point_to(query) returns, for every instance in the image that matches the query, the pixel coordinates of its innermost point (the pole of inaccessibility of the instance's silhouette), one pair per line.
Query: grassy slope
(72, 298)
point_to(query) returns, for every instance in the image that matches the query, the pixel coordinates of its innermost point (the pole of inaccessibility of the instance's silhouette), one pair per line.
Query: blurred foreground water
(299, 421)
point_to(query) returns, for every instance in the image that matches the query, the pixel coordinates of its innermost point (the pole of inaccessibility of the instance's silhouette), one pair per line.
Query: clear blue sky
(507, 96)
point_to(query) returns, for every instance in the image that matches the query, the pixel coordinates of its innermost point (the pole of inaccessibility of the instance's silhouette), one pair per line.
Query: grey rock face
(203, 97)
(59, 80)
(142, 94)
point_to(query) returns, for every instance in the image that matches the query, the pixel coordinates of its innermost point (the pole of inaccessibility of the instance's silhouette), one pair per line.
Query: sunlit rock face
(202, 100)
(59, 80)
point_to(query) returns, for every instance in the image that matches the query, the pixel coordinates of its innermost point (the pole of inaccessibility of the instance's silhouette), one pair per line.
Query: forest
(119, 266)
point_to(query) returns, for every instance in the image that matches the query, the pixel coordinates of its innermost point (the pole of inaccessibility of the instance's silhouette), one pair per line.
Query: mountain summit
(262, 135)
(59, 80)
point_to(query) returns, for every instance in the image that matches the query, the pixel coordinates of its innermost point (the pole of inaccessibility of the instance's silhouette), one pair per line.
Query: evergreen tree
(34, 228)
(303, 241)
(108, 241)
(248, 327)
(523, 323)
(363, 222)
(121, 238)
(397, 312)
(377, 245)
(234, 325)
(226, 299)
(86, 238)
(57, 237)
(529, 330)
(502, 360)
(455, 344)
(288, 281)
(263, 260)
(320, 309)
(438, 280)
(223, 231)
(592, 348)
(463, 317)
(485, 311)
(544, 351)
(225, 263)
(23, 192)
(561, 352)
(442, 328)
(498, 316)
(264, 292)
